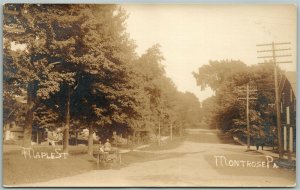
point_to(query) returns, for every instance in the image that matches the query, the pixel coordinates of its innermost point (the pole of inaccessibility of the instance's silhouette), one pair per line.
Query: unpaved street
(194, 165)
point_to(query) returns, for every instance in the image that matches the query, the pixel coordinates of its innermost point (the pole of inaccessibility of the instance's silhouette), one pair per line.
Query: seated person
(107, 146)
(101, 147)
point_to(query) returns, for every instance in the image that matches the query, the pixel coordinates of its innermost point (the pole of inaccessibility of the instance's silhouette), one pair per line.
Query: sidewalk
(268, 151)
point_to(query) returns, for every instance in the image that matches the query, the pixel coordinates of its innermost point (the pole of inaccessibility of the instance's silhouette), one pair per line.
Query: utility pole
(274, 58)
(171, 131)
(159, 123)
(247, 98)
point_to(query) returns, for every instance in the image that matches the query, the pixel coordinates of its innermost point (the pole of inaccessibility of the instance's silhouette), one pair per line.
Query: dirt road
(196, 164)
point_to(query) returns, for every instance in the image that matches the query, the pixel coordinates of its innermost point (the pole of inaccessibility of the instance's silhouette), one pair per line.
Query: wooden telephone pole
(171, 131)
(247, 98)
(274, 56)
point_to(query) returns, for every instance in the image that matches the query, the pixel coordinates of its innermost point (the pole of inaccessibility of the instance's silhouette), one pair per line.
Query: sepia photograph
(149, 95)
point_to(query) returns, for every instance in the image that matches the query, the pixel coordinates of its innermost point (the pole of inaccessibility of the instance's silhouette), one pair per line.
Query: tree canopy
(75, 65)
(224, 110)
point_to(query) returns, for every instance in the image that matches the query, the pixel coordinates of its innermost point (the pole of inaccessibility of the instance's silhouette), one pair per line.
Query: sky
(191, 35)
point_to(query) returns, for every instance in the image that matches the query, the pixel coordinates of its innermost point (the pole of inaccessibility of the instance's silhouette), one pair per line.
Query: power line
(272, 47)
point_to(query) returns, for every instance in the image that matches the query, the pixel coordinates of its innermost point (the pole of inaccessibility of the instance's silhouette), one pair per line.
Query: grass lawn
(18, 170)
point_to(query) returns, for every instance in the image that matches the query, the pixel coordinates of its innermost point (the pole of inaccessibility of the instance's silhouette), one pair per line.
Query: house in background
(288, 92)
(12, 132)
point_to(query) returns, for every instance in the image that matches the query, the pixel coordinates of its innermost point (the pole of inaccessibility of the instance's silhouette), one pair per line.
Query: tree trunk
(171, 131)
(27, 133)
(37, 135)
(67, 126)
(76, 138)
(132, 140)
(90, 140)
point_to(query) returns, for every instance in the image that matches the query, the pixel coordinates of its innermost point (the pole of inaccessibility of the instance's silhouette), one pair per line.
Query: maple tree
(78, 66)
(30, 69)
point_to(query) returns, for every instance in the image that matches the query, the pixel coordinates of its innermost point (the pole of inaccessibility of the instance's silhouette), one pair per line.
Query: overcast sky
(191, 35)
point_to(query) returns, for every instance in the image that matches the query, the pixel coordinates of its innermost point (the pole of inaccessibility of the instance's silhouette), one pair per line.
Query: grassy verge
(18, 170)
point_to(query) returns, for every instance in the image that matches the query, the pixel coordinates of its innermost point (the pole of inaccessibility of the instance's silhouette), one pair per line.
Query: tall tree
(223, 109)
(44, 66)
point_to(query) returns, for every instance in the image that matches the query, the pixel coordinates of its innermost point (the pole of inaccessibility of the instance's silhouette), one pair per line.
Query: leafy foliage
(78, 67)
(224, 110)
